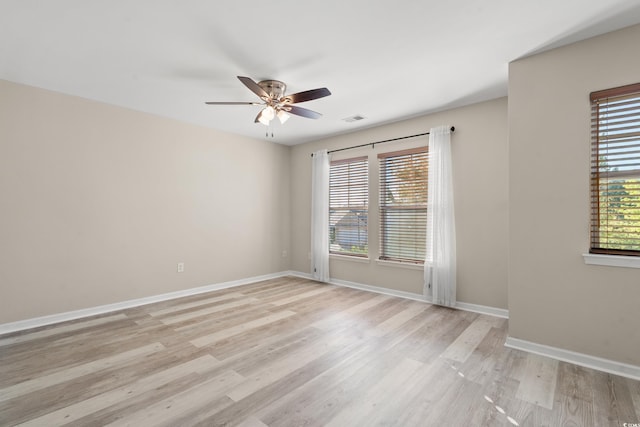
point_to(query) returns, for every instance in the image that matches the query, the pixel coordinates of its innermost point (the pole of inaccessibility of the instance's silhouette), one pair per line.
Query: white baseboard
(600, 364)
(605, 365)
(92, 311)
(102, 309)
(476, 308)
(483, 309)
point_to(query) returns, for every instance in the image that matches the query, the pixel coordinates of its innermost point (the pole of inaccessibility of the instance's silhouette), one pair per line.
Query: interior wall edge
(36, 322)
(581, 359)
(476, 308)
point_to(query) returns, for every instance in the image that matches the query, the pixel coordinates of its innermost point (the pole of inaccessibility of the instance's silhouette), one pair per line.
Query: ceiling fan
(276, 103)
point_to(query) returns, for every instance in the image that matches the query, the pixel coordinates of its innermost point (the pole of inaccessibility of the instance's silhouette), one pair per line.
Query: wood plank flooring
(293, 352)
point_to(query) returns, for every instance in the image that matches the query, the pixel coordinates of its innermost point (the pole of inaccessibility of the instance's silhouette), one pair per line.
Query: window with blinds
(615, 171)
(403, 205)
(348, 207)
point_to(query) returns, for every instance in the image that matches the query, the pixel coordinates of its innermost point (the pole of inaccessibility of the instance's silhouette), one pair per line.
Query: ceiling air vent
(353, 118)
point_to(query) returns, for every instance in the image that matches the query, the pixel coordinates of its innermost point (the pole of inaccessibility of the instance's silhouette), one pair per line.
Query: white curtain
(320, 216)
(440, 265)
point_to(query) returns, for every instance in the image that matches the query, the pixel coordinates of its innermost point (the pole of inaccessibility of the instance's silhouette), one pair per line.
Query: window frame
(362, 162)
(386, 256)
(598, 253)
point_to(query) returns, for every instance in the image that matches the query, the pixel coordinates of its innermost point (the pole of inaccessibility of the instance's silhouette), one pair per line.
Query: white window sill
(363, 260)
(612, 260)
(407, 265)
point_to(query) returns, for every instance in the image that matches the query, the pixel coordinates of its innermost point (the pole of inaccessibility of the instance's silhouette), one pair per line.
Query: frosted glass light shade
(283, 116)
(266, 115)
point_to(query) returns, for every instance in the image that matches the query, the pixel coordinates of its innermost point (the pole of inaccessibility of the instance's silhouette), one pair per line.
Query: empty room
(348, 214)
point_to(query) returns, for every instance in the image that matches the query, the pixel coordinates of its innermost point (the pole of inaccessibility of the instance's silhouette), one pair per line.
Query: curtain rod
(372, 144)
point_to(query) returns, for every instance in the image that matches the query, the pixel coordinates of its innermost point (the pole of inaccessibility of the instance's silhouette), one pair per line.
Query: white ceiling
(384, 60)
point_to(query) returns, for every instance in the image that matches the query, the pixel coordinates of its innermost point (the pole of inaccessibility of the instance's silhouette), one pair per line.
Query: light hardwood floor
(293, 352)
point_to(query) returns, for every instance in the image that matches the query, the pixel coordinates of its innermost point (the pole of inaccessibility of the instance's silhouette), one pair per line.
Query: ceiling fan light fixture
(270, 112)
(283, 116)
(266, 115)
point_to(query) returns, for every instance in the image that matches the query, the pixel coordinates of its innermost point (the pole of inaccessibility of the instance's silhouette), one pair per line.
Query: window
(348, 204)
(403, 205)
(615, 171)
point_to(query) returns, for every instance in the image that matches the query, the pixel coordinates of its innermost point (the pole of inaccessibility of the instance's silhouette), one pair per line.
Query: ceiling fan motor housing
(275, 88)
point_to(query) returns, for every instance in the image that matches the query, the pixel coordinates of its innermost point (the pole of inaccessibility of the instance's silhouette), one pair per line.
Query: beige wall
(554, 298)
(479, 148)
(99, 203)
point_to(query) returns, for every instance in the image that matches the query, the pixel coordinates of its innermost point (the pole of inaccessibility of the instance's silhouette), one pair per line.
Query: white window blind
(348, 207)
(615, 171)
(403, 205)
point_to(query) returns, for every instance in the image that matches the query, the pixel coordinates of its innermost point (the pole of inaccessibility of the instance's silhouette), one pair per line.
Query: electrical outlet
(181, 267)
(284, 253)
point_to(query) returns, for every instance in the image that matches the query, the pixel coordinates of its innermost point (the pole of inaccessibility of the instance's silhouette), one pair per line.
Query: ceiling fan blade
(307, 95)
(299, 111)
(232, 103)
(254, 87)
